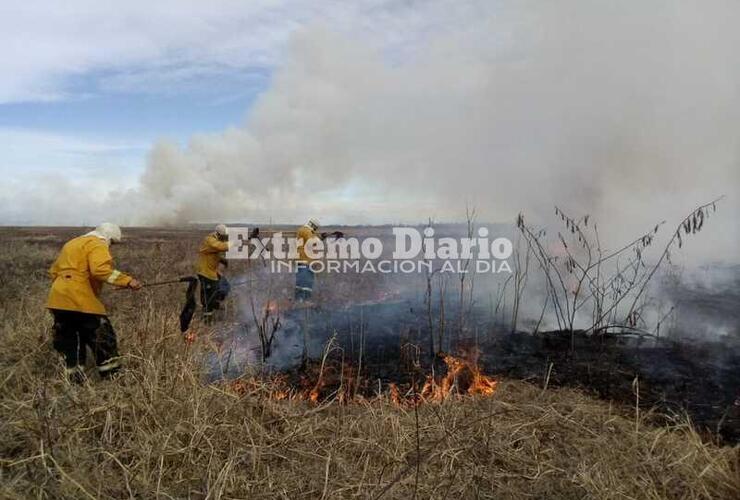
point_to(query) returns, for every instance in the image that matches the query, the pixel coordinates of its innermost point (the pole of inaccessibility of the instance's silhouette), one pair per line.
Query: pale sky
(370, 111)
(91, 85)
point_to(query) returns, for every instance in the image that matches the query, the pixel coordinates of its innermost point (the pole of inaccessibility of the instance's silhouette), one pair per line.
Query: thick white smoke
(629, 111)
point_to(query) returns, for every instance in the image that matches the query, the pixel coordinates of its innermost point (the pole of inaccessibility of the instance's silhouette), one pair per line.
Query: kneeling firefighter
(80, 318)
(214, 287)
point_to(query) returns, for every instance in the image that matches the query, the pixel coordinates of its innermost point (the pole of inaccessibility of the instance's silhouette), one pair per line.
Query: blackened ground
(698, 378)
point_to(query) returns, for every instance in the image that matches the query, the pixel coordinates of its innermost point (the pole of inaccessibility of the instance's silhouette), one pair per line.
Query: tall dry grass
(159, 431)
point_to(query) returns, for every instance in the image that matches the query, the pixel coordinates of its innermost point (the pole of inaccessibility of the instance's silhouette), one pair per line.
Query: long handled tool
(186, 315)
(184, 279)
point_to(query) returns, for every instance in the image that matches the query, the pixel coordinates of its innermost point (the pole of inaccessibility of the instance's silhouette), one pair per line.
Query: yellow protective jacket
(211, 252)
(78, 274)
(304, 234)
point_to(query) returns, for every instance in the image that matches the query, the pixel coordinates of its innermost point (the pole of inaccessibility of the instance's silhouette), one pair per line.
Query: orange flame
(463, 377)
(395, 396)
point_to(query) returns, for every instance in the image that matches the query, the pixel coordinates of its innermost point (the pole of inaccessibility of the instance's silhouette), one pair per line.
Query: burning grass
(338, 381)
(160, 431)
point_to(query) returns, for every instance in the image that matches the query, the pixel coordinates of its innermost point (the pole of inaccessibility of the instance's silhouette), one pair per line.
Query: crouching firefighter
(214, 288)
(80, 319)
(304, 278)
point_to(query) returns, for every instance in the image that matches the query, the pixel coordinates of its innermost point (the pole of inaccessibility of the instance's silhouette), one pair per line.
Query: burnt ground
(695, 376)
(700, 379)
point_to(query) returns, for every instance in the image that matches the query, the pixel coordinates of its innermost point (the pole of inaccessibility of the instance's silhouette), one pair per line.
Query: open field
(162, 431)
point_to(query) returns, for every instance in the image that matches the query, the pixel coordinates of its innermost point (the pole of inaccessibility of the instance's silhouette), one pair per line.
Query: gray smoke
(628, 111)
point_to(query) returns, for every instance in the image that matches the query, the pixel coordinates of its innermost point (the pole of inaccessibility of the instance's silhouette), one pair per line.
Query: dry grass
(160, 432)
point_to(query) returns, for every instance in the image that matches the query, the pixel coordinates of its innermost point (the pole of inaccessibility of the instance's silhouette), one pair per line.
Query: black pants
(75, 331)
(211, 295)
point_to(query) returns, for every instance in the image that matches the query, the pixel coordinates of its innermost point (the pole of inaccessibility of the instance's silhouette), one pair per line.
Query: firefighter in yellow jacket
(211, 257)
(304, 277)
(80, 319)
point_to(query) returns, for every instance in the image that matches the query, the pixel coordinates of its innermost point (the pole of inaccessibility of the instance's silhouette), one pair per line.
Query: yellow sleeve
(214, 245)
(100, 262)
(305, 234)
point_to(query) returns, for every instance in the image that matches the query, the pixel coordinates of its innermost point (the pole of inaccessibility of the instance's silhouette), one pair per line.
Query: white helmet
(314, 223)
(107, 231)
(222, 230)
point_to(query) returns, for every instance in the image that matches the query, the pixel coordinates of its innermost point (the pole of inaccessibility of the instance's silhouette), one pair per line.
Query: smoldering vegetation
(619, 323)
(170, 427)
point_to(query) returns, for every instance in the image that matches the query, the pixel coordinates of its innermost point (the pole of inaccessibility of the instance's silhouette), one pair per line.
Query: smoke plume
(628, 111)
